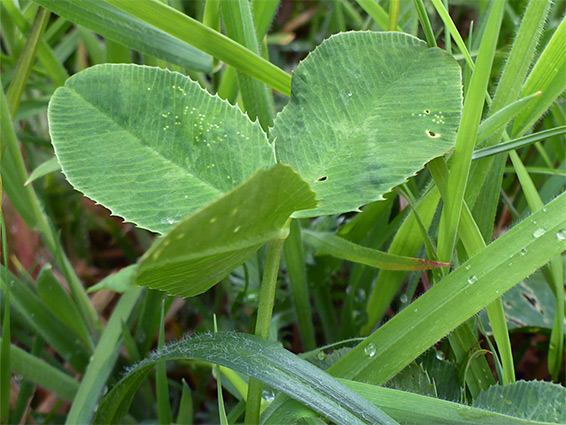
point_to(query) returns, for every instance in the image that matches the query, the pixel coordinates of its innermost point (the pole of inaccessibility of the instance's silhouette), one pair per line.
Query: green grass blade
(129, 31)
(425, 22)
(42, 373)
(411, 408)
(206, 39)
(161, 386)
(518, 143)
(404, 243)
(47, 167)
(328, 243)
(102, 361)
(377, 13)
(501, 118)
(445, 16)
(263, 12)
(5, 361)
(239, 26)
(45, 323)
(465, 141)
(556, 349)
(547, 76)
(53, 67)
(26, 60)
(460, 295)
(185, 415)
(260, 359)
(296, 269)
(61, 305)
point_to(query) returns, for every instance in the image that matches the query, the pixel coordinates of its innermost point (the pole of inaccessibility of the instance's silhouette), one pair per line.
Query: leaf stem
(263, 321)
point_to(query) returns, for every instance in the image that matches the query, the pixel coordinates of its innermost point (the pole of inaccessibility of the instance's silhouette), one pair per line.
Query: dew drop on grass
(349, 94)
(561, 235)
(539, 232)
(432, 134)
(321, 355)
(472, 279)
(468, 267)
(524, 252)
(237, 229)
(360, 296)
(440, 355)
(268, 395)
(212, 220)
(403, 298)
(370, 349)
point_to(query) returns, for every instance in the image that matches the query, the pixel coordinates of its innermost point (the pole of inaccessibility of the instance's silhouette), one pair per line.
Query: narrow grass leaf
(114, 24)
(296, 270)
(161, 385)
(102, 362)
(185, 415)
(328, 243)
(26, 60)
(547, 76)
(45, 323)
(518, 143)
(475, 284)
(42, 373)
(407, 407)
(45, 168)
(501, 118)
(382, 91)
(261, 360)
(237, 17)
(206, 39)
(61, 305)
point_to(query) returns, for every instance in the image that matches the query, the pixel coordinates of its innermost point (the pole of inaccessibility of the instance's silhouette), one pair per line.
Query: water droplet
(171, 220)
(440, 355)
(186, 196)
(268, 395)
(370, 349)
(472, 279)
(321, 355)
(432, 134)
(212, 220)
(360, 296)
(561, 235)
(236, 229)
(524, 251)
(403, 298)
(468, 267)
(544, 210)
(349, 94)
(427, 111)
(539, 232)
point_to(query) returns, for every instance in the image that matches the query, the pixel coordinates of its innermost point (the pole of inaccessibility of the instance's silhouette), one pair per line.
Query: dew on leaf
(370, 349)
(212, 220)
(472, 279)
(561, 235)
(539, 232)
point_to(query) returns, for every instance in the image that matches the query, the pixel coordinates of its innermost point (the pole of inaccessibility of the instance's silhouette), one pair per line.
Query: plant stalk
(263, 321)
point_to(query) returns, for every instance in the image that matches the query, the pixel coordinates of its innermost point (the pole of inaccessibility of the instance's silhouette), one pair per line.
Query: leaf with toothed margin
(367, 111)
(204, 248)
(151, 145)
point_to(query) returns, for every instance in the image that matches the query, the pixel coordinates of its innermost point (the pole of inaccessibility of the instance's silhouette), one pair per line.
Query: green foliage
(324, 164)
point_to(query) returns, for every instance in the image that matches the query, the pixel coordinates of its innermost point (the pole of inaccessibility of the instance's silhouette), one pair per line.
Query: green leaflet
(530, 400)
(367, 111)
(204, 248)
(146, 143)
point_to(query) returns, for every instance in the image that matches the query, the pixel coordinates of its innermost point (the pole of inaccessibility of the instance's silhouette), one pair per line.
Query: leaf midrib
(137, 139)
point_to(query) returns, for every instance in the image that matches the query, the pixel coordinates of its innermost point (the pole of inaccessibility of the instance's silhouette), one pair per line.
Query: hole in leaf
(321, 179)
(432, 134)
